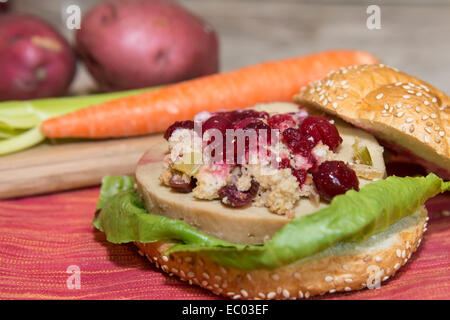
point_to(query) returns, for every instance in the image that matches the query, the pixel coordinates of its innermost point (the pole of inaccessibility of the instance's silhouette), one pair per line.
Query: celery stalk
(17, 116)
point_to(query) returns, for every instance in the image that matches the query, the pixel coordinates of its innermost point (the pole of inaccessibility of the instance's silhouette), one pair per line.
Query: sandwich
(288, 200)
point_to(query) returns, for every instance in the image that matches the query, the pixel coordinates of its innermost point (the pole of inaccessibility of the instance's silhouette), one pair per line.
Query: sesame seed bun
(403, 112)
(340, 268)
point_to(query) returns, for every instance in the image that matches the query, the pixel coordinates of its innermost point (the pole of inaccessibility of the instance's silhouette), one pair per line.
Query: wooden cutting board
(49, 168)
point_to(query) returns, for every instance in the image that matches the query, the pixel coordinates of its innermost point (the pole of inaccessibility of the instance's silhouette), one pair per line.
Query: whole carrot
(152, 112)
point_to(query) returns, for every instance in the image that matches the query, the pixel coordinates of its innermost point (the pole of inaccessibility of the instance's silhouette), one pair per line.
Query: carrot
(152, 112)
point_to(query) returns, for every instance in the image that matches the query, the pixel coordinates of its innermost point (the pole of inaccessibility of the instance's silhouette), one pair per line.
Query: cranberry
(320, 129)
(236, 198)
(237, 115)
(284, 163)
(217, 122)
(300, 174)
(179, 185)
(298, 143)
(333, 178)
(281, 121)
(178, 125)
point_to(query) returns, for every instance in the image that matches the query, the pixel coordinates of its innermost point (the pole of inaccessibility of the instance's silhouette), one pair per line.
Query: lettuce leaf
(354, 216)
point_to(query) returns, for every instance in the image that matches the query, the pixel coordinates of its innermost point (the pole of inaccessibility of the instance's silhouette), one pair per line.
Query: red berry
(284, 163)
(281, 121)
(178, 125)
(320, 129)
(333, 178)
(179, 185)
(300, 174)
(298, 143)
(237, 115)
(217, 122)
(236, 198)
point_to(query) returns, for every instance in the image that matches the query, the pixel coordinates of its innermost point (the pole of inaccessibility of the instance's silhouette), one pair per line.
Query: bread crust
(393, 105)
(335, 270)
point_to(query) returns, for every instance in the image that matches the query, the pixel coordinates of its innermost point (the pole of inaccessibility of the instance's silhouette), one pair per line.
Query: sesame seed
(307, 294)
(332, 291)
(411, 91)
(400, 114)
(205, 275)
(441, 133)
(408, 245)
(248, 276)
(419, 94)
(378, 97)
(335, 105)
(165, 258)
(433, 116)
(261, 295)
(385, 278)
(418, 109)
(406, 86)
(378, 259)
(286, 293)
(406, 96)
(399, 253)
(426, 138)
(236, 297)
(230, 293)
(190, 275)
(409, 120)
(244, 293)
(425, 117)
(296, 275)
(398, 84)
(397, 265)
(386, 115)
(348, 280)
(428, 130)
(345, 95)
(386, 106)
(434, 100)
(271, 295)
(426, 102)
(340, 98)
(275, 277)
(348, 289)
(204, 283)
(300, 294)
(329, 278)
(403, 254)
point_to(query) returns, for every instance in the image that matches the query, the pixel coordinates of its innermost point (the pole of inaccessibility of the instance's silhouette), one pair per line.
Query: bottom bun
(342, 267)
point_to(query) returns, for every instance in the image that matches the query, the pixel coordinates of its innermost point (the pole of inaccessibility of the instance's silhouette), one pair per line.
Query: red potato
(35, 61)
(3, 7)
(129, 44)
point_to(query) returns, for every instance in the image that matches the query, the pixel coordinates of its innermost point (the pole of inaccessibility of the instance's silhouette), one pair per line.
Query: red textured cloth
(40, 237)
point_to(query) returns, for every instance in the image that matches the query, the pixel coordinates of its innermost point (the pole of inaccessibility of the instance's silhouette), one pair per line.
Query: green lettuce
(354, 216)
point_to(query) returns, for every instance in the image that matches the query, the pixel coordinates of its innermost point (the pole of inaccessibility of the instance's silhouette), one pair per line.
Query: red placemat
(41, 237)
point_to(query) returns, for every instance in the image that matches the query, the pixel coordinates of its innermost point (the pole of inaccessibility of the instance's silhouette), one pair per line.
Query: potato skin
(35, 61)
(130, 44)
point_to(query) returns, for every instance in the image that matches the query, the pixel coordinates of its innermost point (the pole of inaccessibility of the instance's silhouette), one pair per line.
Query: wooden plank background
(415, 35)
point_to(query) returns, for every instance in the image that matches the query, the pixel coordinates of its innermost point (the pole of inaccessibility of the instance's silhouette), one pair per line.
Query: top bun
(402, 111)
